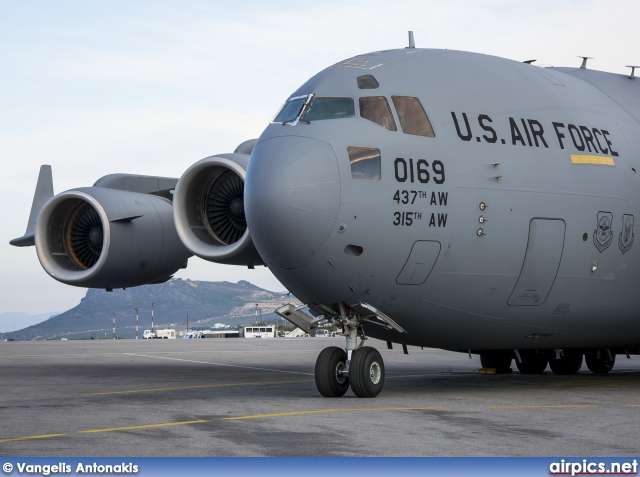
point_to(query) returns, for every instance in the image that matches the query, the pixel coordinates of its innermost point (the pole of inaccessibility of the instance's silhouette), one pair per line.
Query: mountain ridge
(17, 320)
(172, 301)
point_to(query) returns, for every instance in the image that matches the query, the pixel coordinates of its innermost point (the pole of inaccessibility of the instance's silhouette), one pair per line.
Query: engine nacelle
(208, 206)
(96, 237)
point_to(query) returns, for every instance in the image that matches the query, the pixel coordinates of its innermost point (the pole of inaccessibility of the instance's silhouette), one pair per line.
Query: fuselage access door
(541, 262)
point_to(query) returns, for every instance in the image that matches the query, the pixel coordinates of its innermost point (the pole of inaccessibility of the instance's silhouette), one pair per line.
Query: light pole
(137, 322)
(114, 325)
(151, 317)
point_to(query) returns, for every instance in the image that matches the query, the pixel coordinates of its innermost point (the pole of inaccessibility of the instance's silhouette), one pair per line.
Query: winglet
(44, 192)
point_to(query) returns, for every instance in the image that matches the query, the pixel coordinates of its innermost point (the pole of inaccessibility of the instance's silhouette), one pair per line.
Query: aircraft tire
(366, 372)
(498, 360)
(532, 362)
(328, 381)
(599, 366)
(570, 363)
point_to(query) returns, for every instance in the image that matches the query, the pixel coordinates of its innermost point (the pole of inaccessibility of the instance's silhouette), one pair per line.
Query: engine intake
(105, 238)
(208, 209)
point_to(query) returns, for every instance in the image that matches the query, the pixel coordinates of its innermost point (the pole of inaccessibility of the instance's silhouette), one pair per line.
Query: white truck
(168, 334)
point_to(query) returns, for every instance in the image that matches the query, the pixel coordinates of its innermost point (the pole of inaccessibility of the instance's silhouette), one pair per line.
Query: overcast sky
(150, 87)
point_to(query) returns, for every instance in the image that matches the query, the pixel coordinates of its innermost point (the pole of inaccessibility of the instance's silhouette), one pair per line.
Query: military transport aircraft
(422, 197)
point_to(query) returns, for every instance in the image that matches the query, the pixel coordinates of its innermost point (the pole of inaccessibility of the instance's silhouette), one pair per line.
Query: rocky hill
(206, 303)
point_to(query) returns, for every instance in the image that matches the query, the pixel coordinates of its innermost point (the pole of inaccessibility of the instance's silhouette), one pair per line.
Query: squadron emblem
(603, 234)
(625, 240)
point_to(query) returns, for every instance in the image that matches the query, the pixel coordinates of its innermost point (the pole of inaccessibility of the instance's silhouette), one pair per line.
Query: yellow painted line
(321, 411)
(26, 438)
(144, 426)
(576, 406)
(201, 386)
(597, 160)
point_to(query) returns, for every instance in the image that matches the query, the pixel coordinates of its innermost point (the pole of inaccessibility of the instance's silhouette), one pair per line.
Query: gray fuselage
(511, 228)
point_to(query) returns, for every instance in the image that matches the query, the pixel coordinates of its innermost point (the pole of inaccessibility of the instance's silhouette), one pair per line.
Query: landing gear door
(541, 262)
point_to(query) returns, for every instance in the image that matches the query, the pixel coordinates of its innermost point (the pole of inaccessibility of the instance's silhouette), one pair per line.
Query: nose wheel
(330, 366)
(364, 372)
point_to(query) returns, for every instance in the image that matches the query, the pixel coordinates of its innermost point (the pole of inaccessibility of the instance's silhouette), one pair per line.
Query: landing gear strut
(360, 366)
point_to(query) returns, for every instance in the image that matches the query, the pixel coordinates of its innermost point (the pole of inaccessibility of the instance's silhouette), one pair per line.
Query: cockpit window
(329, 108)
(376, 109)
(365, 163)
(291, 110)
(413, 119)
(367, 82)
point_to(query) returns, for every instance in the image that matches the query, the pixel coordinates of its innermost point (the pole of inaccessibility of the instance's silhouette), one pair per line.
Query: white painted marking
(218, 364)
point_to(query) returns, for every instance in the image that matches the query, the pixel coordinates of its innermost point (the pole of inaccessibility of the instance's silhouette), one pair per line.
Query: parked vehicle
(169, 334)
(264, 331)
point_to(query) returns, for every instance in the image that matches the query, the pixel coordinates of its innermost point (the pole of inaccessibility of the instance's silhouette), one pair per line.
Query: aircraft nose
(292, 198)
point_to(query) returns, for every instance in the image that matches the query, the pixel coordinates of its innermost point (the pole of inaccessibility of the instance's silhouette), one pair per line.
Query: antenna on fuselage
(583, 66)
(633, 71)
(412, 43)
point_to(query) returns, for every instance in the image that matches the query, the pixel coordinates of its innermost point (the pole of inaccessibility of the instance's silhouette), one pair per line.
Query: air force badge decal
(603, 235)
(625, 239)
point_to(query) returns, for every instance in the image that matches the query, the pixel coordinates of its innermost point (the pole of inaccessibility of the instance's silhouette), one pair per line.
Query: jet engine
(97, 237)
(208, 207)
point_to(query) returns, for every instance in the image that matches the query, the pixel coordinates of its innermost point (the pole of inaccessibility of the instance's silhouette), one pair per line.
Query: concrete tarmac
(257, 397)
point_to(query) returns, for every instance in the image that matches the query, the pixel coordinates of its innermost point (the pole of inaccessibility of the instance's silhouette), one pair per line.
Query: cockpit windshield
(291, 110)
(312, 108)
(329, 108)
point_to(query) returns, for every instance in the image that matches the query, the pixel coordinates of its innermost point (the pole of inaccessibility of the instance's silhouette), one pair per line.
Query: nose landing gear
(360, 367)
